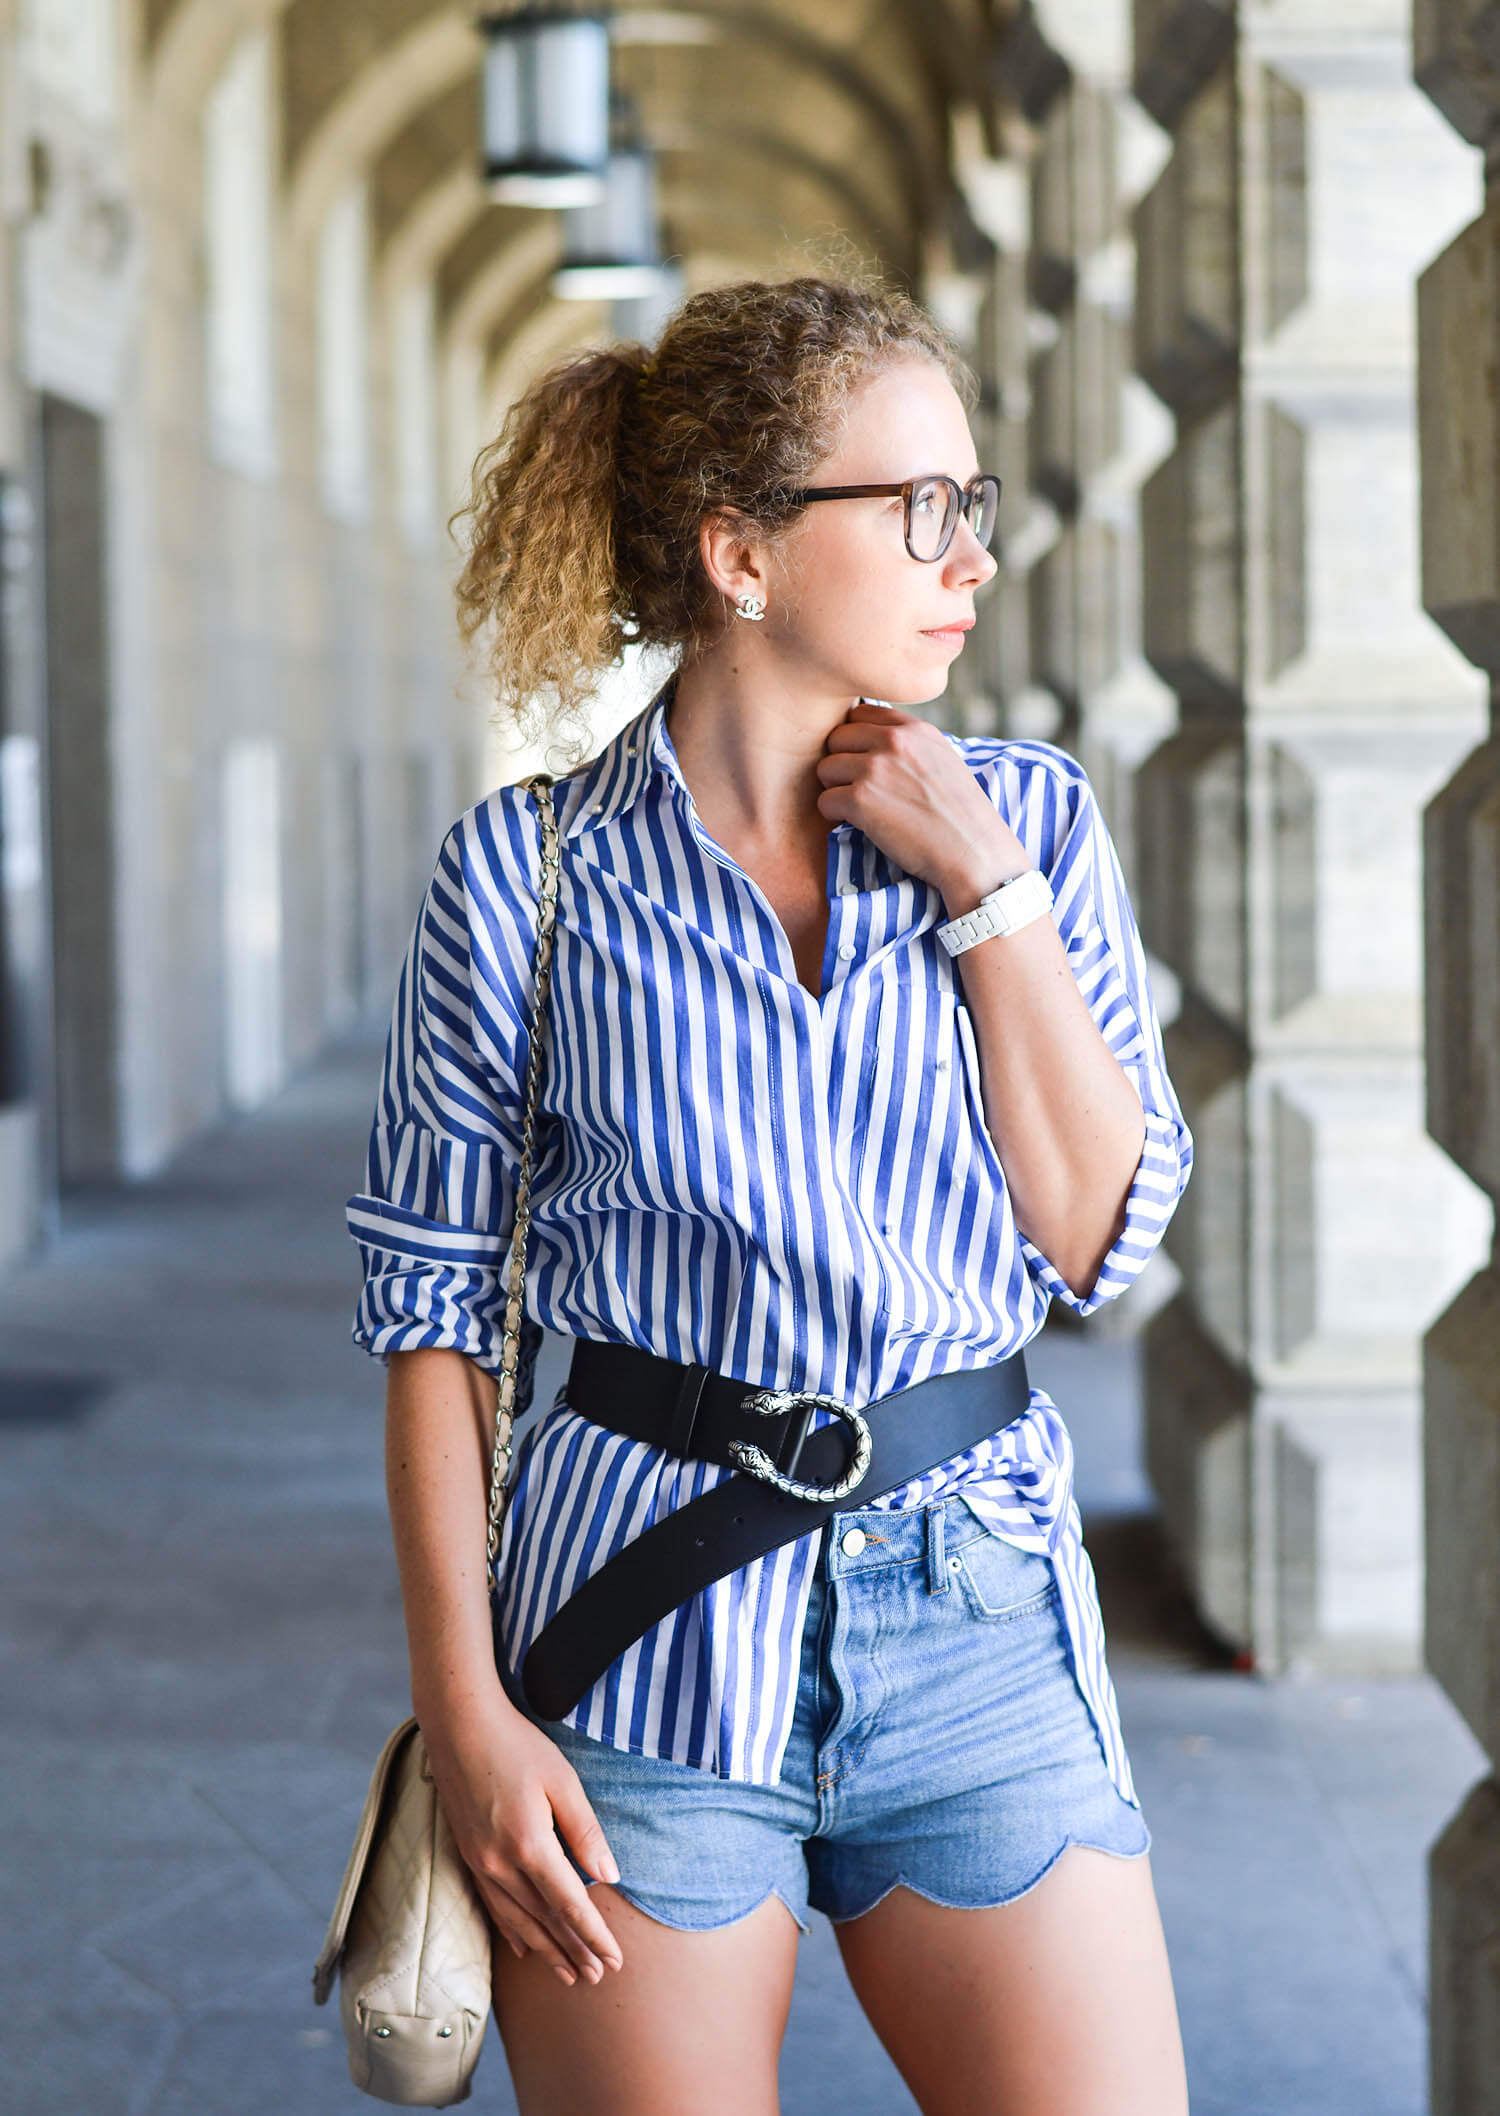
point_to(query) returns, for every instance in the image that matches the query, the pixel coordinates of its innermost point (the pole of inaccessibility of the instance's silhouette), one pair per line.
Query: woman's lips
(951, 634)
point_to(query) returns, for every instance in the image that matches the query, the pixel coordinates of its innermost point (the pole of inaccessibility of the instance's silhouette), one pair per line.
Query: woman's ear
(732, 559)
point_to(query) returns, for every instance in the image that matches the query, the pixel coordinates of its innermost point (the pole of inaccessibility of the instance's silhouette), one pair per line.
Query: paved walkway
(201, 1650)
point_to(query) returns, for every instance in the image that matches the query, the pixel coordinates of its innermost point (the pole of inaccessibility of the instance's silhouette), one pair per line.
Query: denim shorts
(940, 1739)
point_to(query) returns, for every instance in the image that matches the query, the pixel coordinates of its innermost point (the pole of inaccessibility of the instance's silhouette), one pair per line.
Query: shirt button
(852, 1542)
(940, 1065)
(846, 953)
(848, 888)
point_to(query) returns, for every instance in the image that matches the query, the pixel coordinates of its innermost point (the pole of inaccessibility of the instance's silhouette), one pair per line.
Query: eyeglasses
(931, 508)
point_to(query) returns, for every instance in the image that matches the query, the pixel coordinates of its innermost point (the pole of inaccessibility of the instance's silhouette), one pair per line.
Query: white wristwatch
(1015, 903)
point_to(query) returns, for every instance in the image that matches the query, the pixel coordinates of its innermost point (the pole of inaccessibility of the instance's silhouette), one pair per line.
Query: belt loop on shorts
(937, 1571)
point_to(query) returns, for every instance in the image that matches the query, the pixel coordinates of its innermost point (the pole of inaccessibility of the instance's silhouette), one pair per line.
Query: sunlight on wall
(343, 371)
(251, 836)
(73, 52)
(414, 395)
(237, 164)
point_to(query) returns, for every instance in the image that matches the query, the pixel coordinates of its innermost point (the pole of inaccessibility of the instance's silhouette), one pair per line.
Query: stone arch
(191, 46)
(449, 208)
(417, 66)
(193, 42)
(431, 226)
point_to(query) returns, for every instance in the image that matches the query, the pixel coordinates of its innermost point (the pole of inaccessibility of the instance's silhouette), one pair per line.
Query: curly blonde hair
(585, 509)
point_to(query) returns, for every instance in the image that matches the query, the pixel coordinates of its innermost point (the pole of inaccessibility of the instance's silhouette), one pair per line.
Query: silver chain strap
(511, 1341)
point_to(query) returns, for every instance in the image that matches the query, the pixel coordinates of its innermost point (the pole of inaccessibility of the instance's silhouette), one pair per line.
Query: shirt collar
(626, 764)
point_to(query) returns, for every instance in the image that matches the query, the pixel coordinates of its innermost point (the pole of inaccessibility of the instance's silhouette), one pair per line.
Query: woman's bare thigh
(1058, 2004)
(691, 2021)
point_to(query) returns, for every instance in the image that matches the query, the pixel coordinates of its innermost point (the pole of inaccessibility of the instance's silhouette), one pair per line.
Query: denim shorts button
(852, 1542)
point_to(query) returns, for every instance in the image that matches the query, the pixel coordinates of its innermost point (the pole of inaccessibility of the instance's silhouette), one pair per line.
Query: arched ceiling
(778, 125)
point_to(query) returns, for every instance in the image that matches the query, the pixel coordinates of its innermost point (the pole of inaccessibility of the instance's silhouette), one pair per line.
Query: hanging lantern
(546, 106)
(610, 251)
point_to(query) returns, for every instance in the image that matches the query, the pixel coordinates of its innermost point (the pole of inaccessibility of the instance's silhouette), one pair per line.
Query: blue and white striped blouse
(796, 1190)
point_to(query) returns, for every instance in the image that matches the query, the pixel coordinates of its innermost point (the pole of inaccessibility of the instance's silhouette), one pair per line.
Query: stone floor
(200, 1651)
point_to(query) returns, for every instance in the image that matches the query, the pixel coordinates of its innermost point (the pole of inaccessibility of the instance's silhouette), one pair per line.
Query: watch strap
(1014, 904)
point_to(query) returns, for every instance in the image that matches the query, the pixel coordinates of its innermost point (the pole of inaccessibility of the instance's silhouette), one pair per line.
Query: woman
(789, 1139)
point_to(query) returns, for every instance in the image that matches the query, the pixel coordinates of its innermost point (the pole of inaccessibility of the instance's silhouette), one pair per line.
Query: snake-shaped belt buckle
(770, 1403)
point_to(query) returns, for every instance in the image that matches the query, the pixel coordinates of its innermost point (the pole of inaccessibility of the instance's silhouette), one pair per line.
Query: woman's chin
(912, 687)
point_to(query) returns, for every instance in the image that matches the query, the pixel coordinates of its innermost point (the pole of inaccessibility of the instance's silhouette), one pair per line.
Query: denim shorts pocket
(1000, 1579)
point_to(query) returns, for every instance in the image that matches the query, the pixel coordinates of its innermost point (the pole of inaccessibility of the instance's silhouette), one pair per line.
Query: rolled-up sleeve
(435, 1216)
(1066, 835)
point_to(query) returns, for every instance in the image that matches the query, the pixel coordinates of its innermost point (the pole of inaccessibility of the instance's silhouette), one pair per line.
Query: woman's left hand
(900, 780)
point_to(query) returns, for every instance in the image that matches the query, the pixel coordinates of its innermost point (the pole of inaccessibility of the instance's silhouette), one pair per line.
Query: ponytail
(540, 562)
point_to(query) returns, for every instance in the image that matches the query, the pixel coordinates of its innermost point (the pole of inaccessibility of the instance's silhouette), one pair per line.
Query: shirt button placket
(846, 887)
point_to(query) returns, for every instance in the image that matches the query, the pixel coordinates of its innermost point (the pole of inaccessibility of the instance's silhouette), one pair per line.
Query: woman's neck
(749, 738)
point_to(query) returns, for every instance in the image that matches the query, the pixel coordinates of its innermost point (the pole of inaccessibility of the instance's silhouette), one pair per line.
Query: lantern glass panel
(621, 228)
(546, 108)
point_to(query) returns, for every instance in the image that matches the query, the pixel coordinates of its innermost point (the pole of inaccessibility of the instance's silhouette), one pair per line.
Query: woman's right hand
(502, 1785)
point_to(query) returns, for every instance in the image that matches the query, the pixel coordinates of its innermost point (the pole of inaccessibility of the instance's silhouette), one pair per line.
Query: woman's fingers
(580, 1826)
(531, 1891)
(505, 1797)
(554, 1893)
(522, 1931)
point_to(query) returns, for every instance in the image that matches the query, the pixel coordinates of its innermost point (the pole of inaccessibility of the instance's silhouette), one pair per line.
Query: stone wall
(239, 619)
(1460, 469)
(1280, 869)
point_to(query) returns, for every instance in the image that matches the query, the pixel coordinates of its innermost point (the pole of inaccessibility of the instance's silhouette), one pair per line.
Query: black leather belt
(792, 1478)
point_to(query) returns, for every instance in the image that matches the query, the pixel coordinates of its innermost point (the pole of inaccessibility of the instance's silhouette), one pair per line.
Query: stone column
(1097, 431)
(996, 669)
(1004, 627)
(1279, 826)
(25, 1207)
(1459, 330)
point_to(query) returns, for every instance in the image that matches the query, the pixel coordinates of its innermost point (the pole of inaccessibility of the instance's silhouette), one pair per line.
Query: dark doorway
(80, 795)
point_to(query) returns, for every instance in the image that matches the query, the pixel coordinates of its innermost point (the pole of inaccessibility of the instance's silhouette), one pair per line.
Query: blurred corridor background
(272, 271)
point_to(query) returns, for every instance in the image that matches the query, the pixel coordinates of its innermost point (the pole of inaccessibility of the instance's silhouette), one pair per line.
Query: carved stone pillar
(1459, 355)
(1004, 628)
(1279, 827)
(995, 668)
(1096, 431)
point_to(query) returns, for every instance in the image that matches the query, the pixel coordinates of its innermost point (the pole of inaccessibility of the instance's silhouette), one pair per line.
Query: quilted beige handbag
(409, 1940)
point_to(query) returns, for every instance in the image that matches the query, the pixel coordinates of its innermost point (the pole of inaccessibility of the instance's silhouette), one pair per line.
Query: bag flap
(327, 1963)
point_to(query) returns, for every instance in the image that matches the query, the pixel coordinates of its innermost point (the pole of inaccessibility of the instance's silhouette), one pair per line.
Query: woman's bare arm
(501, 1781)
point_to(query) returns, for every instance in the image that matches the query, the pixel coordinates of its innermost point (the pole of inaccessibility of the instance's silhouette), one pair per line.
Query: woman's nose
(972, 563)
